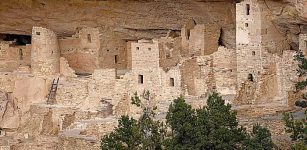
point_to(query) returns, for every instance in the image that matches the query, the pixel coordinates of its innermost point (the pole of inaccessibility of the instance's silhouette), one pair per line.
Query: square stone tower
(145, 65)
(259, 48)
(256, 39)
(248, 41)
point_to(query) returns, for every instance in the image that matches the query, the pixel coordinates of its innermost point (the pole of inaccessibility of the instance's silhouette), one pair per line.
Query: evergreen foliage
(298, 130)
(131, 134)
(212, 127)
(302, 70)
(260, 138)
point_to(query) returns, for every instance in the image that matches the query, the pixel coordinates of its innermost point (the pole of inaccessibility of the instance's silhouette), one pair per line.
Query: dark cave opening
(17, 38)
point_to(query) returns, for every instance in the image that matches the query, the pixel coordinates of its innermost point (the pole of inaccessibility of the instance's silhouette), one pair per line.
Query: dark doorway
(250, 77)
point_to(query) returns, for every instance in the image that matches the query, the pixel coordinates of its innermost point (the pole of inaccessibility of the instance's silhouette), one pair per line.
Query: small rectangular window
(246, 24)
(149, 49)
(89, 38)
(168, 54)
(20, 54)
(115, 59)
(172, 82)
(141, 79)
(137, 48)
(253, 53)
(265, 31)
(247, 9)
(38, 33)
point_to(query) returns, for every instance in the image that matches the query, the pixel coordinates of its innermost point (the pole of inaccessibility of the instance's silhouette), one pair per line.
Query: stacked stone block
(45, 54)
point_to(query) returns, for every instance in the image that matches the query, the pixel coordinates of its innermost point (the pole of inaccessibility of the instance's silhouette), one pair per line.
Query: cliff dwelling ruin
(98, 73)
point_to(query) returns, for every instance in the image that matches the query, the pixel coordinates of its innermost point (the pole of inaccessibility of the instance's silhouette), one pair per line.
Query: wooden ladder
(52, 91)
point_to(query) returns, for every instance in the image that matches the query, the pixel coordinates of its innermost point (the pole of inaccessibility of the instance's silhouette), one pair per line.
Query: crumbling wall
(185, 35)
(171, 84)
(45, 54)
(246, 94)
(13, 56)
(215, 72)
(82, 50)
(102, 86)
(268, 88)
(22, 91)
(72, 92)
(204, 39)
(275, 82)
(169, 52)
(8, 57)
(288, 75)
(7, 82)
(224, 66)
(200, 39)
(189, 72)
(113, 53)
(65, 69)
(205, 79)
(260, 54)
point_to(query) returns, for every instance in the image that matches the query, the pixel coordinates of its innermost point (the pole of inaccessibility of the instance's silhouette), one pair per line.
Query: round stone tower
(45, 55)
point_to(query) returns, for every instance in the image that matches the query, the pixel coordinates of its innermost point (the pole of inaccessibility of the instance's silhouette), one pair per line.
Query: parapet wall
(45, 54)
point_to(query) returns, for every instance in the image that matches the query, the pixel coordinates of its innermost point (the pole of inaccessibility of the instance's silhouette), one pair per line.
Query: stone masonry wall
(259, 51)
(82, 50)
(189, 72)
(14, 56)
(45, 54)
(224, 66)
(248, 41)
(113, 53)
(204, 39)
(169, 52)
(303, 43)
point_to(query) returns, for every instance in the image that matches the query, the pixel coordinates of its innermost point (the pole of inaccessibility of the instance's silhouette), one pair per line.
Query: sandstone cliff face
(126, 20)
(290, 17)
(136, 19)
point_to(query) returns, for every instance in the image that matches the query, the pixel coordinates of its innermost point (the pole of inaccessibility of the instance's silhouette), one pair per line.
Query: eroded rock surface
(127, 20)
